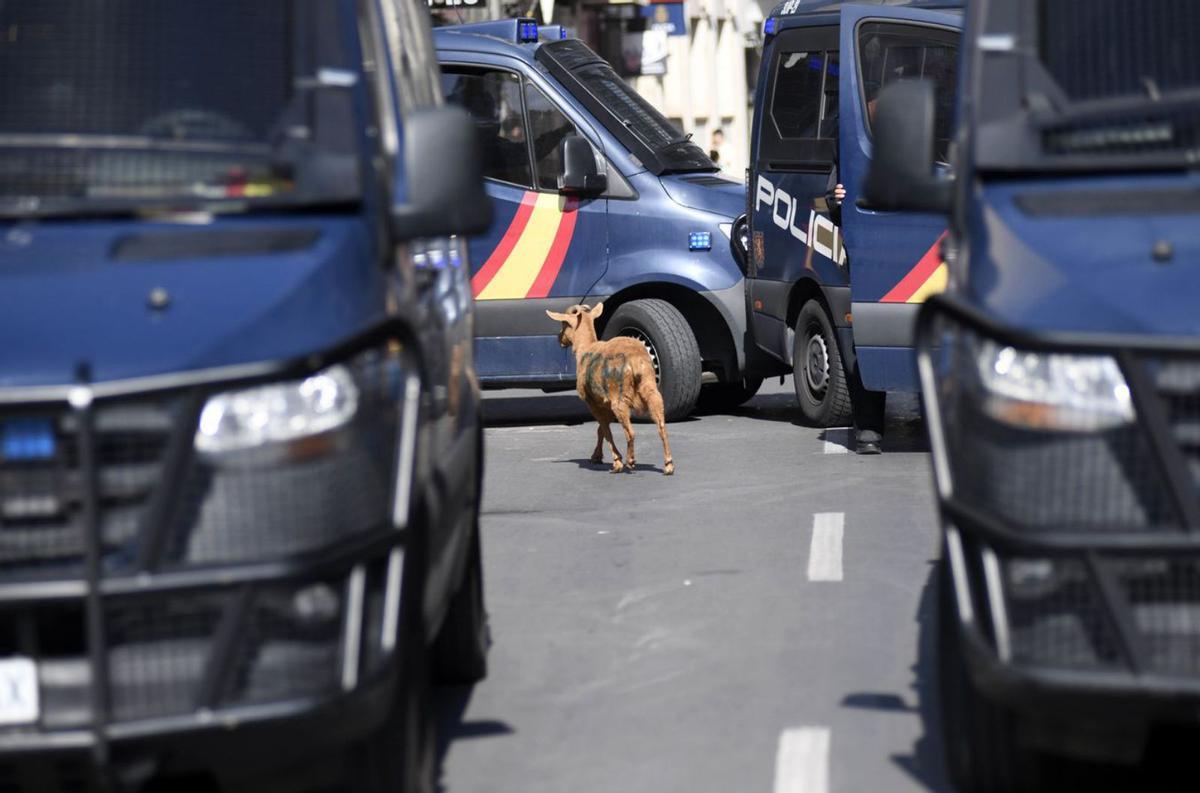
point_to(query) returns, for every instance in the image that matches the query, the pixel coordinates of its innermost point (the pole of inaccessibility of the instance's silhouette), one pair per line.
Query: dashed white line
(837, 440)
(802, 762)
(825, 551)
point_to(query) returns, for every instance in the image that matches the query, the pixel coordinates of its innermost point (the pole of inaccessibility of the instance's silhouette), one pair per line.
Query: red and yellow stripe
(929, 277)
(531, 252)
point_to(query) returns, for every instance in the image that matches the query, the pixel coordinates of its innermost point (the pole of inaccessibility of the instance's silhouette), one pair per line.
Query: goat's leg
(627, 425)
(598, 454)
(617, 465)
(654, 406)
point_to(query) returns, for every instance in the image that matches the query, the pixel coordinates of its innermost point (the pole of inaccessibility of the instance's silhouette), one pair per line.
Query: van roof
(805, 7)
(456, 37)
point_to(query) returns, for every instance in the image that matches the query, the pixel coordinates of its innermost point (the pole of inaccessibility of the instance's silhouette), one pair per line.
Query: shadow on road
(449, 704)
(926, 763)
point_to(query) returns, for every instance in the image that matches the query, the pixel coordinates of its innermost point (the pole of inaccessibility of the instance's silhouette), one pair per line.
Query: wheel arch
(709, 325)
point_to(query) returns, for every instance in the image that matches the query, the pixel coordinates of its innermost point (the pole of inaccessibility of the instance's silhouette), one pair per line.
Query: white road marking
(837, 440)
(802, 762)
(825, 552)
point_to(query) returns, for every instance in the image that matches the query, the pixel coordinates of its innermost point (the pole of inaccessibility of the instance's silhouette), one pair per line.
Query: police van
(1061, 381)
(240, 446)
(834, 289)
(598, 197)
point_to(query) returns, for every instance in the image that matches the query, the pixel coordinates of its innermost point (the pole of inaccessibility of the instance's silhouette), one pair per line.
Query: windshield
(108, 105)
(1105, 84)
(658, 143)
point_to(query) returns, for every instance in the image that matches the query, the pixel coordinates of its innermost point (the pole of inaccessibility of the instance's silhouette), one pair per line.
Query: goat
(614, 378)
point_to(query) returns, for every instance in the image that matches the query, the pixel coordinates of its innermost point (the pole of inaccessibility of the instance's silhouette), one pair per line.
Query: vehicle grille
(42, 489)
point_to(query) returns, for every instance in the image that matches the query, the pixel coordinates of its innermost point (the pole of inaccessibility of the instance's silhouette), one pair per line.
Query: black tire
(459, 652)
(983, 750)
(817, 371)
(727, 396)
(672, 347)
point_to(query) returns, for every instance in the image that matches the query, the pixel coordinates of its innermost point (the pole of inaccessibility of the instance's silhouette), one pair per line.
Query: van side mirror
(581, 174)
(901, 174)
(443, 169)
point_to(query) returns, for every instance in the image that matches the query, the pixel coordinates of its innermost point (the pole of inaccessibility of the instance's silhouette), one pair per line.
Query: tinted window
(493, 98)
(891, 52)
(799, 85)
(548, 127)
(800, 128)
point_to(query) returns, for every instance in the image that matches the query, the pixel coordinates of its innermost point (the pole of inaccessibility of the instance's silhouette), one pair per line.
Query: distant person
(715, 142)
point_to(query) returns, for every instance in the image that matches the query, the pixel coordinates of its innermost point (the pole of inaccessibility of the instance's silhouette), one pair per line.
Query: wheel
(459, 653)
(672, 347)
(727, 396)
(817, 372)
(983, 750)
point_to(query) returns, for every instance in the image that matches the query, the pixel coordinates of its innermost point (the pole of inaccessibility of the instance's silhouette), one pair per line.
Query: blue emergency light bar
(521, 30)
(770, 26)
(553, 33)
(527, 31)
(700, 241)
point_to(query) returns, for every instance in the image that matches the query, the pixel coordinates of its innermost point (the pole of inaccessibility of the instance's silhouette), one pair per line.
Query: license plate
(27, 440)
(18, 691)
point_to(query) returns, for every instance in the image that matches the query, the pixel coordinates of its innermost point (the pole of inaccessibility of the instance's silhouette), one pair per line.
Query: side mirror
(901, 175)
(581, 174)
(443, 169)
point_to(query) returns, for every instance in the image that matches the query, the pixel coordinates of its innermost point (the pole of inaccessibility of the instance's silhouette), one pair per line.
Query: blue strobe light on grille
(24, 440)
(700, 241)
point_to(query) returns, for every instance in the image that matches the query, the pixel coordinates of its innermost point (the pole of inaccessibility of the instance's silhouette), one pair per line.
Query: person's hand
(839, 194)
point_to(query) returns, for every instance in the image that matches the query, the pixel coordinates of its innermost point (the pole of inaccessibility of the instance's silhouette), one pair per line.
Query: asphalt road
(761, 621)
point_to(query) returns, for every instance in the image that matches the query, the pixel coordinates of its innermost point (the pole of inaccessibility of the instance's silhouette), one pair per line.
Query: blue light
(769, 26)
(27, 439)
(700, 241)
(527, 32)
(562, 33)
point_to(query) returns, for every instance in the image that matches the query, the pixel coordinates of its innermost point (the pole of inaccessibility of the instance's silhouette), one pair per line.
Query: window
(493, 98)
(548, 128)
(890, 52)
(801, 128)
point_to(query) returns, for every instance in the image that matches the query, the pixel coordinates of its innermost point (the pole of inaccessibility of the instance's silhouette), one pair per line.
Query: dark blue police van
(1061, 381)
(239, 425)
(834, 289)
(598, 197)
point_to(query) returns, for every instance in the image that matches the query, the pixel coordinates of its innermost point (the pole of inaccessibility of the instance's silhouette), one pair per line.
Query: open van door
(896, 258)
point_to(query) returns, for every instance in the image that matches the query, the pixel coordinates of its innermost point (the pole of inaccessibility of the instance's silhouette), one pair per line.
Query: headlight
(1052, 391)
(277, 413)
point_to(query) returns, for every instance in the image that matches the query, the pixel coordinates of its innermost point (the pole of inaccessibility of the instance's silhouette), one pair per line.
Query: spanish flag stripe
(524, 261)
(925, 269)
(516, 227)
(558, 251)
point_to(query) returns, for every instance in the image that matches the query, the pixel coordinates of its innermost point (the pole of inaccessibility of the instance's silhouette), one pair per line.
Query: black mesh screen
(1055, 616)
(1097, 49)
(114, 101)
(144, 67)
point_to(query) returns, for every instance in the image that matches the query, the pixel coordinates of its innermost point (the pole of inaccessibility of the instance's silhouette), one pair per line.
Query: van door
(544, 250)
(895, 258)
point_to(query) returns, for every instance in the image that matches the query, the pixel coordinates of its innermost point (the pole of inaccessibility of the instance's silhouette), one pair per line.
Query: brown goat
(614, 378)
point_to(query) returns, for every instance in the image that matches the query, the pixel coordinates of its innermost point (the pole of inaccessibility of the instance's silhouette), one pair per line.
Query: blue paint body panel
(68, 300)
(1085, 274)
(787, 204)
(618, 243)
